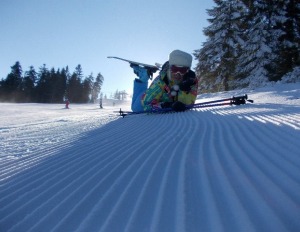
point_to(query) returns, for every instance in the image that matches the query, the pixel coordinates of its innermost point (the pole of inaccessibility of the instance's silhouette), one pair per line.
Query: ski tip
(158, 65)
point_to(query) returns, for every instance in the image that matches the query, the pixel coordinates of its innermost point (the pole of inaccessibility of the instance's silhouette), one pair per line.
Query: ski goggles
(179, 69)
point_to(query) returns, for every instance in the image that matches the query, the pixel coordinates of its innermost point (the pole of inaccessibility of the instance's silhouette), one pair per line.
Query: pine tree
(78, 71)
(97, 86)
(12, 85)
(218, 56)
(288, 52)
(87, 86)
(60, 85)
(117, 95)
(263, 33)
(74, 86)
(29, 82)
(42, 88)
(52, 85)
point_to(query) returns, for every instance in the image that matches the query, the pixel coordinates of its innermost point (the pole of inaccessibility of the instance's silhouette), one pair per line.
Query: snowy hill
(231, 168)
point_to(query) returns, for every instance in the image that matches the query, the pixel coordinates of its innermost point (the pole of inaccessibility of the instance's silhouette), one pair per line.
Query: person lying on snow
(175, 86)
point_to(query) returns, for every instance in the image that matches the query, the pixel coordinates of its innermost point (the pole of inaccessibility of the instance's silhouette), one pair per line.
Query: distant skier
(100, 101)
(100, 104)
(67, 104)
(175, 86)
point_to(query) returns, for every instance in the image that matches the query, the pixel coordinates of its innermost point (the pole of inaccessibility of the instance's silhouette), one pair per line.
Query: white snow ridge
(230, 168)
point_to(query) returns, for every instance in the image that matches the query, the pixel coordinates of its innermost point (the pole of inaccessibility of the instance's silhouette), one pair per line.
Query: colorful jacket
(161, 90)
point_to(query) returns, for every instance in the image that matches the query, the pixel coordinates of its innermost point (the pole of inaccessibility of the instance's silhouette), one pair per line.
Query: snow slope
(214, 169)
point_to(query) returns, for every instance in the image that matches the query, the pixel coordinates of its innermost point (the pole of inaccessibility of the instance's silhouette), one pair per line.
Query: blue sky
(71, 32)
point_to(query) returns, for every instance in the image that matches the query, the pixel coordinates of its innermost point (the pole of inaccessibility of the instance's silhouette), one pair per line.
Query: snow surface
(231, 168)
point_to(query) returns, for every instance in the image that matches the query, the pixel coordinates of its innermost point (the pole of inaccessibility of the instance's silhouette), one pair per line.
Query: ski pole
(244, 97)
(125, 113)
(166, 110)
(209, 105)
(239, 100)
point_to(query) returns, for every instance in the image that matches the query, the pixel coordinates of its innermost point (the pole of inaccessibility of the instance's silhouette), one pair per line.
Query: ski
(151, 68)
(239, 100)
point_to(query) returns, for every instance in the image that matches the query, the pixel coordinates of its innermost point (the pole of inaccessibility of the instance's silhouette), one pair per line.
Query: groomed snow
(230, 168)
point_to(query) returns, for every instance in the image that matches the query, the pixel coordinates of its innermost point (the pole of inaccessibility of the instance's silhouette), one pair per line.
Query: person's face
(177, 72)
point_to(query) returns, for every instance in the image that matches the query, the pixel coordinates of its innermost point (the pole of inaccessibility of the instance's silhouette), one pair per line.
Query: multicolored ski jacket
(161, 90)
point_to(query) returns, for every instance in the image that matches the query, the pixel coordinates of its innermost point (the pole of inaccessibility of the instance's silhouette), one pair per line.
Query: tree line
(49, 86)
(249, 42)
(120, 95)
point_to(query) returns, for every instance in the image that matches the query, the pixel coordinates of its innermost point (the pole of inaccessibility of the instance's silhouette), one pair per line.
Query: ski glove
(178, 106)
(188, 81)
(186, 84)
(141, 72)
(238, 101)
(166, 105)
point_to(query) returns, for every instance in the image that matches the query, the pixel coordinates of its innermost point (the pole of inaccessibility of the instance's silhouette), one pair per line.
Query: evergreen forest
(49, 86)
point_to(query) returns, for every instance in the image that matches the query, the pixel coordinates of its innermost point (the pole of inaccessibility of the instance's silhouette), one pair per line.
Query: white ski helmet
(180, 58)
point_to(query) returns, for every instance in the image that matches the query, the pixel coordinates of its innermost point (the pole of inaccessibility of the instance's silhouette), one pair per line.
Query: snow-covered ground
(231, 168)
